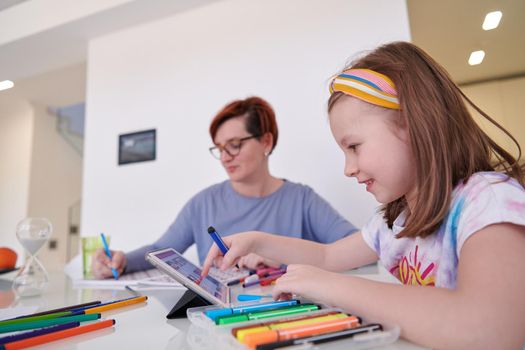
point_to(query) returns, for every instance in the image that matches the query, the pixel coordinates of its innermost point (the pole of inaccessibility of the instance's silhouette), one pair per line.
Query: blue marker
(108, 253)
(215, 313)
(218, 240)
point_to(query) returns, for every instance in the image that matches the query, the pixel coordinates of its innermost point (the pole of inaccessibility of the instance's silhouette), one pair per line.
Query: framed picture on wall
(137, 147)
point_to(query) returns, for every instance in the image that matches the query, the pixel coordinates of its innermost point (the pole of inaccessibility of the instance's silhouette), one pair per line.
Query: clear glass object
(32, 279)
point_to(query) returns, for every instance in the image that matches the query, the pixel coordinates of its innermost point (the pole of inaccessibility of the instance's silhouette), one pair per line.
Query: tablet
(175, 265)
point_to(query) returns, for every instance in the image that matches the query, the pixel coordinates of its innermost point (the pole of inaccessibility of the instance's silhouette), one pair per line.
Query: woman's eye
(234, 145)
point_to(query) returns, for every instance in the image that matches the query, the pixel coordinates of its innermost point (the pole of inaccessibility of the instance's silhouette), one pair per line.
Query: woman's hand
(252, 261)
(240, 244)
(305, 281)
(101, 264)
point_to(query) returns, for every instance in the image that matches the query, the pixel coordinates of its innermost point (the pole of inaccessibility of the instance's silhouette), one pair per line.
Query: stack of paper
(141, 280)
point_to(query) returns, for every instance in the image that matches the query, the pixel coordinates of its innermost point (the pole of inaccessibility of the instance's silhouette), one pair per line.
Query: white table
(142, 326)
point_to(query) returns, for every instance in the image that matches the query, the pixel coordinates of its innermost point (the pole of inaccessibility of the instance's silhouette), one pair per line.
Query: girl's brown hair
(447, 144)
(259, 117)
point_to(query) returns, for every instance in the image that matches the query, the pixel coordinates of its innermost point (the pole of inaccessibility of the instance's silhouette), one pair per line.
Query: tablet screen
(193, 273)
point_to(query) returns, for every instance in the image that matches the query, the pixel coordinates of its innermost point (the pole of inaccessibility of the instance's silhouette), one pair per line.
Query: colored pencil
(30, 334)
(103, 304)
(118, 304)
(46, 338)
(47, 323)
(40, 317)
(66, 308)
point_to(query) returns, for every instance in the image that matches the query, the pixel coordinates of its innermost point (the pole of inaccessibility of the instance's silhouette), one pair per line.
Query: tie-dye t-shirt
(432, 261)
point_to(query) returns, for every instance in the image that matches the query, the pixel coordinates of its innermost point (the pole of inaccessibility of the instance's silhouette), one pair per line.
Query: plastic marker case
(200, 317)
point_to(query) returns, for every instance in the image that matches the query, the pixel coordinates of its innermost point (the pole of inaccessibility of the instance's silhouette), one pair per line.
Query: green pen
(40, 317)
(47, 323)
(257, 315)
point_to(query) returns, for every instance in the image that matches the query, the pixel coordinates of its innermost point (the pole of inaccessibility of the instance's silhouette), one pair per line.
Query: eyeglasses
(232, 147)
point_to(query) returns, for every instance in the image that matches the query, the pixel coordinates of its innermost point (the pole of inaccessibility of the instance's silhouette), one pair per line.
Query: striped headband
(366, 85)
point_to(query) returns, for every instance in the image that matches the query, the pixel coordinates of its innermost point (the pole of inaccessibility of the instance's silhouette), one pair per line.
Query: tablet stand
(189, 299)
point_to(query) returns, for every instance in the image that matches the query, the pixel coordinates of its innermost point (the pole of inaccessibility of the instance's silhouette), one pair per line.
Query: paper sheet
(138, 280)
(141, 280)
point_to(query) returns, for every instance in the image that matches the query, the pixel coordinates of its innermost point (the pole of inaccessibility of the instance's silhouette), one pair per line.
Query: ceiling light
(476, 57)
(492, 20)
(6, 84)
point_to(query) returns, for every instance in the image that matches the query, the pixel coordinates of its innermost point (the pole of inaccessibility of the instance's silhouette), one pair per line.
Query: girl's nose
(350, 168)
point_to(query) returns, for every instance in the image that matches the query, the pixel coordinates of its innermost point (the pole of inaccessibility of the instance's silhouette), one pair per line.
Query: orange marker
(284, 320)
(291, 324)
(254, 339)
(98, 309)
(46, 338)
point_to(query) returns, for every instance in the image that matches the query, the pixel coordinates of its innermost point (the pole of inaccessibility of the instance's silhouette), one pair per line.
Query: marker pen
(218, 240)
(264, 281)
(255, 275)
(270, 336)
(258, 315)
(283, 320)
(323, 338)
(213, 314)
(283, 325)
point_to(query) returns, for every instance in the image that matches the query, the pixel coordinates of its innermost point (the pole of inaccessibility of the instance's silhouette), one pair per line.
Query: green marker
(38, 318)
(290, 310)
(47, 323)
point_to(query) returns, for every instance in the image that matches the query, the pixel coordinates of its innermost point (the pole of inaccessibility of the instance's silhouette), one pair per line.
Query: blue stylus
(218, 240)
(108, 253)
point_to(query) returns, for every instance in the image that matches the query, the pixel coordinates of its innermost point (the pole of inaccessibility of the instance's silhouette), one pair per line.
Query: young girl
(453, 214)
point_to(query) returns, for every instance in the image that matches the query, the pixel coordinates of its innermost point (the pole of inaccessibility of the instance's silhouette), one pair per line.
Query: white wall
(55, 183)
(16, 126)
(503, 101)
(175, 74)
(40, 174)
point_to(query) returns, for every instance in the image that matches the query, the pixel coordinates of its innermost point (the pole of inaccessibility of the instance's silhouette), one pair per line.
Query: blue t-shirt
(293, 210)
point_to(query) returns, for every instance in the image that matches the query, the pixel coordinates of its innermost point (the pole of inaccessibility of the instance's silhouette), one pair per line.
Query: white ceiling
(449, 30)
(8, 3)
(66, 44)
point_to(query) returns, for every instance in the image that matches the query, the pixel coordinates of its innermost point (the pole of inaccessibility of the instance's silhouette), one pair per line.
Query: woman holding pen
(244, 134)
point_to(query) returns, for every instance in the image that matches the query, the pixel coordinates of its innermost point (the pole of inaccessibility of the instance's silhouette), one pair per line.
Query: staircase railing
(70, 124)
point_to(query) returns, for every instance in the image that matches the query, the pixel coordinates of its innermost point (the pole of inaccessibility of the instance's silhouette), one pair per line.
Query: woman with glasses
(244, 134)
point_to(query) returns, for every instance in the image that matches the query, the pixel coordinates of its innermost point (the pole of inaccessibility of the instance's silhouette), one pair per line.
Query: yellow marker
(98, 309)
(243, 332)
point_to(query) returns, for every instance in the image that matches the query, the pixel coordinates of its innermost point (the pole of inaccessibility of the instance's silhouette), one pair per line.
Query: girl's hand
(252, 261)
(239, 245)
(305, 281)
(101, 265)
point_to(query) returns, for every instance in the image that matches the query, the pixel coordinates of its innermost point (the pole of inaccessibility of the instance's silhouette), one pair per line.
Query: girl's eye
(352, 147)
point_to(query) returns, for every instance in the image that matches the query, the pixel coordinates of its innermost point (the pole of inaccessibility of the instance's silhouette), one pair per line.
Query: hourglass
(32, 279)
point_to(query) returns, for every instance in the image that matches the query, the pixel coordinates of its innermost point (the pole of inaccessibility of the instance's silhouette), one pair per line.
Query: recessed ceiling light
(492, 20)
(6, 84)
(476, 57)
